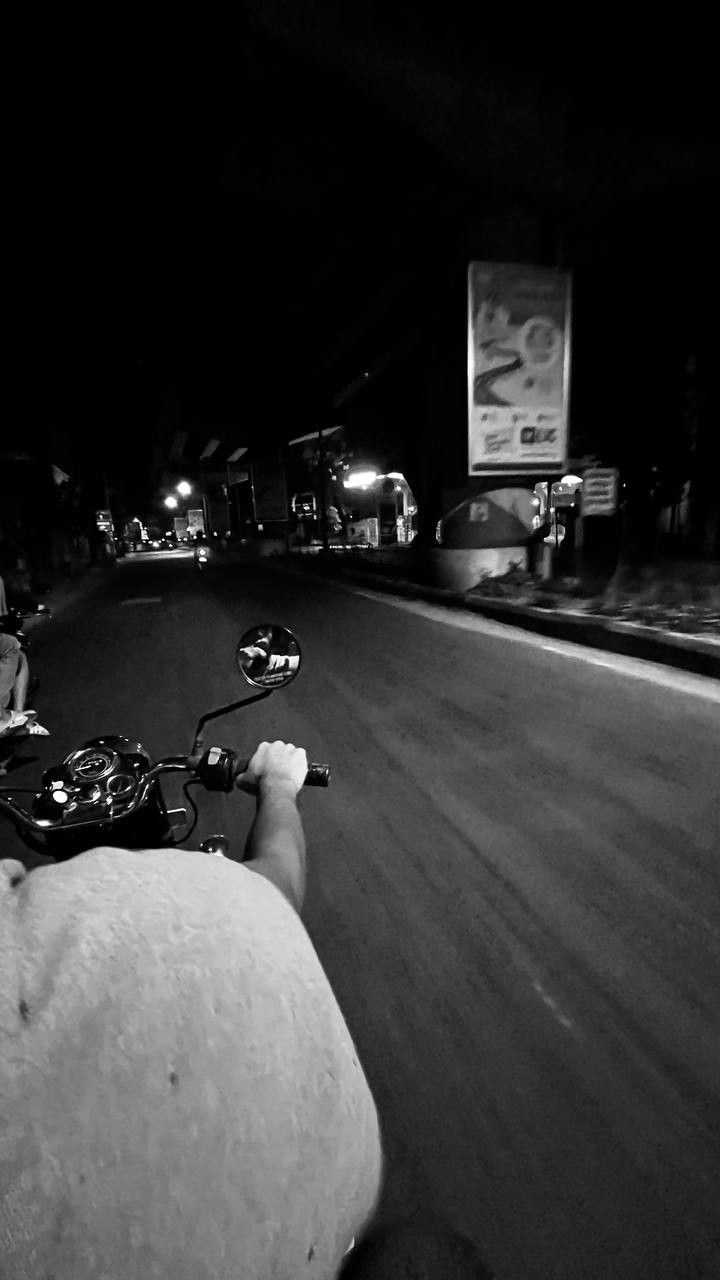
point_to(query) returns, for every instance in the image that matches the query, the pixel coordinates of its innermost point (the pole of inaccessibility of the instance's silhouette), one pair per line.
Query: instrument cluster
(94, 783)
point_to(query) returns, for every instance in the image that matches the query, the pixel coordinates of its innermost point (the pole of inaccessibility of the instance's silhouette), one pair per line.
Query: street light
(360, 479)
(171, 502)
(184, 489)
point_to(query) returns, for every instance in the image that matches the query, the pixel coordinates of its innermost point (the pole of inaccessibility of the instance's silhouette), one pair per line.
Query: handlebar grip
(318, 775)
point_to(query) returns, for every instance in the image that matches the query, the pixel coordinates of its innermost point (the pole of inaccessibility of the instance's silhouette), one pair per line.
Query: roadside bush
(670, 584)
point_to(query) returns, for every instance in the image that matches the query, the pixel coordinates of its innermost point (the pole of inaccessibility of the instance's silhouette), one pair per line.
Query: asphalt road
(513, 886)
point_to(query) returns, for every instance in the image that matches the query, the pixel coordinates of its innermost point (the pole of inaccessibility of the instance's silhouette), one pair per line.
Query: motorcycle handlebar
(21, 615)
(318, 775)
(42, 826)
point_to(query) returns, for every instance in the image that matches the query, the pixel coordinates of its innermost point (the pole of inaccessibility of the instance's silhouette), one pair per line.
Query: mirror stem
(223, 711)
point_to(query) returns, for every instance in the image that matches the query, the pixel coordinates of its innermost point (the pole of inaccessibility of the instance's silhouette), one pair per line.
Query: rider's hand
(279, 661)
(253, 651)
(275, 765)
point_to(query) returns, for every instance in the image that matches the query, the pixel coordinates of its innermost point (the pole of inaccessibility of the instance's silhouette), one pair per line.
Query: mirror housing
(268, 656)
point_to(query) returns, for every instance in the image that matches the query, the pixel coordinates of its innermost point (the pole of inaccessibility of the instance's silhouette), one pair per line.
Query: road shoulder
(688, 653)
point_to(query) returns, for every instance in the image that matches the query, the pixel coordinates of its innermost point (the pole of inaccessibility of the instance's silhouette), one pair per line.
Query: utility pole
(548, 558)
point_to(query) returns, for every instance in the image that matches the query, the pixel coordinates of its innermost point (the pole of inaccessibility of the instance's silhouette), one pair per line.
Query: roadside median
(699, 654)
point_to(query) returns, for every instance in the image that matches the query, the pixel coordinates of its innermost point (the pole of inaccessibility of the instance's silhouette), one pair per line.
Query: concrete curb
(689, 653)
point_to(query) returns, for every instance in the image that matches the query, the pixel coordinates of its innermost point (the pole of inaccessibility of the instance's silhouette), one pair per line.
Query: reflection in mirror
(268, 656)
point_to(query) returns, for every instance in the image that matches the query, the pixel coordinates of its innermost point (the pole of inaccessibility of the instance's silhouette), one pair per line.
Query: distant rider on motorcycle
(202, 550)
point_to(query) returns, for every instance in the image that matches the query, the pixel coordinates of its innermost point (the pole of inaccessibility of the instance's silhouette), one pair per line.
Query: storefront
(381, 508)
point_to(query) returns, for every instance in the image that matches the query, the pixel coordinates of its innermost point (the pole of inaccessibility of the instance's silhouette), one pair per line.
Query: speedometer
(91, 764)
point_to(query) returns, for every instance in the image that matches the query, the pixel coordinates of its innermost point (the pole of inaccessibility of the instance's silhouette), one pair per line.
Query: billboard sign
(600, 492)
(196, 520)
(269, 492)
(518, 369)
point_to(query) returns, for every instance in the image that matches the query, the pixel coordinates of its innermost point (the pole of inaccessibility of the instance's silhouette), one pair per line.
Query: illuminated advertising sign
(518, 369)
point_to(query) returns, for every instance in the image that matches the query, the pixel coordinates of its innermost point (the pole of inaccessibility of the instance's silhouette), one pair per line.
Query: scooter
(202, 556)
(109, 791)
(12, 622)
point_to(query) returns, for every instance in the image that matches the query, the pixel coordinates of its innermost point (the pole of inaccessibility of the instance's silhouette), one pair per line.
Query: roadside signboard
(269, 492)
(304, 504)
(518, 369)
(600, 492)
(565, 495)
(104, 521)
(196, 520)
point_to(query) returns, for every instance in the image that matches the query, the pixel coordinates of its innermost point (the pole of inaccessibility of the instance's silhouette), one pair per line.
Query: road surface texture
(513, 886)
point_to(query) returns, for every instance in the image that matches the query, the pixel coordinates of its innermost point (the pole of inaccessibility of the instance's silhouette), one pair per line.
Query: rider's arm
(275, 845)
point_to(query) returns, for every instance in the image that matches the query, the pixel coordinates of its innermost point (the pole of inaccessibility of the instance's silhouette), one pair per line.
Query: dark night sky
(210, 212)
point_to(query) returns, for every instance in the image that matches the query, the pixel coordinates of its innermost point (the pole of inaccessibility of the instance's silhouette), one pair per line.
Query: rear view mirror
(268, 656)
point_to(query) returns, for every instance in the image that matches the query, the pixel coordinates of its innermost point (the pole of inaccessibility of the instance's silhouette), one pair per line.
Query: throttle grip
(318, 775)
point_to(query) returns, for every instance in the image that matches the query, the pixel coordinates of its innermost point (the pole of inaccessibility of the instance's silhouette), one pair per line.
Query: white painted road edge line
(639, 668)
(552, 1004)
(142, 600)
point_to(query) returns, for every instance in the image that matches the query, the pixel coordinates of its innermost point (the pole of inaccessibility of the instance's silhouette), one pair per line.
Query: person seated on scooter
(180, 1095)
(14, 680)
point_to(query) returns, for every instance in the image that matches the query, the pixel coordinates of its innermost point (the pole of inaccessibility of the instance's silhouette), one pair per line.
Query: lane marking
(142, 600)
(671, 677)
(553, 1006)
(640, 668)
